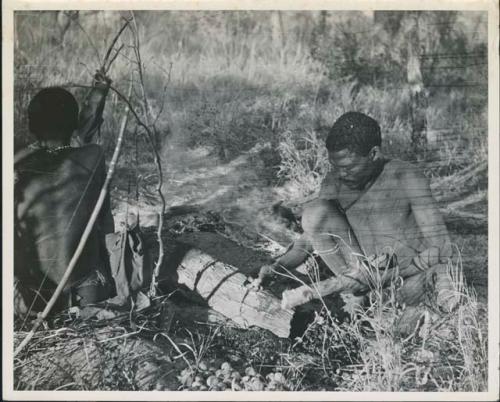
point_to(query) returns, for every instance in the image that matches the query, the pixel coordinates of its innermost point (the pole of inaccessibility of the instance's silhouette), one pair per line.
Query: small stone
(250, 371)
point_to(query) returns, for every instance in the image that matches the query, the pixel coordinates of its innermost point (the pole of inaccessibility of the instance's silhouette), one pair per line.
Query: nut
(278, 377)
(257, 385)
(211, 381)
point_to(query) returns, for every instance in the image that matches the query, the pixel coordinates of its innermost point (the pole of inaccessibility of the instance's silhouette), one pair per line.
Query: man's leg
(331, 235)
(433, 284)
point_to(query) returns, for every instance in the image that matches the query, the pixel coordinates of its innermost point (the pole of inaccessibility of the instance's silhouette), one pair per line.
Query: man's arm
(90, 118)
(299, 251)
(296, 254)
(429, 220)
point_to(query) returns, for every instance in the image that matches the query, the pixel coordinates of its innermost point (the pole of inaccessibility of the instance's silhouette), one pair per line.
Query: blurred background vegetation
(228, 81)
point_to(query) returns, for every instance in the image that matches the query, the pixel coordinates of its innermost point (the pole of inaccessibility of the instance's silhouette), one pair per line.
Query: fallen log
(222, 286)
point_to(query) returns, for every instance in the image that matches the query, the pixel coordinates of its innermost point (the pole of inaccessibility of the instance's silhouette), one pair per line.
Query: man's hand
(265, 271)
(101, 80)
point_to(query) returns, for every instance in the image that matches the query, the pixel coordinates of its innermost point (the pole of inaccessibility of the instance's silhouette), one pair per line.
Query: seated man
(56, 189)
(368, 206)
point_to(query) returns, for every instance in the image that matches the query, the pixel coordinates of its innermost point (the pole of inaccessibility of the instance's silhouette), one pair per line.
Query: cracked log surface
(221, 285)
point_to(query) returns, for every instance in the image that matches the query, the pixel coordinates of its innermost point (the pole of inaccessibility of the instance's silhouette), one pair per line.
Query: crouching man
(56, 189)
(370, 206)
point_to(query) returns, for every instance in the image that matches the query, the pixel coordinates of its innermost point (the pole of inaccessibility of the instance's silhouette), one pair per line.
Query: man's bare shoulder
(407, 175)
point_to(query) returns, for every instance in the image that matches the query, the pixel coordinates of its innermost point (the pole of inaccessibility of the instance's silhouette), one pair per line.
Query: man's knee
(316, 213)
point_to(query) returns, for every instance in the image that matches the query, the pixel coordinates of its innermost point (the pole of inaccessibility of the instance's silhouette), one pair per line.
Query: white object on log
(222, 286)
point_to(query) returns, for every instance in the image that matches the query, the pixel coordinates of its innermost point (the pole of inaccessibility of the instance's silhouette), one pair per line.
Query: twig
(164, 92)
(152, 140)
(85, 236)
(117, 53)
(108, 53)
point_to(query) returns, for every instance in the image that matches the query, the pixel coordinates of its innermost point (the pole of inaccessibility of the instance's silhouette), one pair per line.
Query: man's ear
(375, 153)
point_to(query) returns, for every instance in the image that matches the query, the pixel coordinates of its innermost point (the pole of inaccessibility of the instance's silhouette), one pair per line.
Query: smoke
(237, 190)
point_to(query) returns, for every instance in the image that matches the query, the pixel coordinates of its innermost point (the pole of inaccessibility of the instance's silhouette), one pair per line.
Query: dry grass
(442, 352)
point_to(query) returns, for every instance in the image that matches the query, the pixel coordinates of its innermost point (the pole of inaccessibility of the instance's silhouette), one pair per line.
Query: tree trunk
(222, 287)
(418, 98)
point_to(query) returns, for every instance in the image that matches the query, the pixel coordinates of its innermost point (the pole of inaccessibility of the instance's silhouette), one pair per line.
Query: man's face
(353, 170)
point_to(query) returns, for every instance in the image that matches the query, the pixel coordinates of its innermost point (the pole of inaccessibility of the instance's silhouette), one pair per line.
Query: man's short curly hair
(354, 131)
(53, 114)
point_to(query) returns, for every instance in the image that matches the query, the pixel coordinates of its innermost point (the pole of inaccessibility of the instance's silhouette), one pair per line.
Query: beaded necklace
(54, 150)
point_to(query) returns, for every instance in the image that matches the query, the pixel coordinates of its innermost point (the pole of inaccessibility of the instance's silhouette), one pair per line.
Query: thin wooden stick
(152, 135)
(85, 236)
(113, 42)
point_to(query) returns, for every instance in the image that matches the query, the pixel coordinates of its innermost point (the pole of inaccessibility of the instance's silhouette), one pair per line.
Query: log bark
(223, 288)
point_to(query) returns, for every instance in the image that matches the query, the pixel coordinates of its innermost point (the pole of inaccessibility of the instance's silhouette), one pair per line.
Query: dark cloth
(128, 272)
(129, 264)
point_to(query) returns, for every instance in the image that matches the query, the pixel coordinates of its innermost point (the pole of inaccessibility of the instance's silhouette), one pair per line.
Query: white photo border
(8, 8)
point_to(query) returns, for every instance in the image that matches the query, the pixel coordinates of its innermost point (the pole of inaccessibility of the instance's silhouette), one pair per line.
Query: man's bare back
(55, 194)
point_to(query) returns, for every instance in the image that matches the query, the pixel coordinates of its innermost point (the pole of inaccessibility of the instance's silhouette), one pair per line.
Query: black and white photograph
(251, 201)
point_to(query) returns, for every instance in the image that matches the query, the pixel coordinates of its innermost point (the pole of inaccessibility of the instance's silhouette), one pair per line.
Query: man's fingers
(254, 283)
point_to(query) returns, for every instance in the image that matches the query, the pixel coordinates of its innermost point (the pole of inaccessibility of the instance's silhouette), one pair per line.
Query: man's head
(353, 145)
(53, 115)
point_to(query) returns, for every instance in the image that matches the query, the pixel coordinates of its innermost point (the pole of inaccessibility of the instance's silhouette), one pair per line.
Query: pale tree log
(223, 288)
